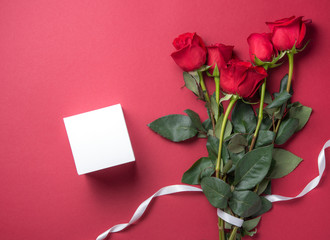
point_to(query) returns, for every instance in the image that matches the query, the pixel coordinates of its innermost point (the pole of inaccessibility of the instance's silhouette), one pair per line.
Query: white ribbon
(223, 215)
(230, 218)
(311, 185)
(141, 209)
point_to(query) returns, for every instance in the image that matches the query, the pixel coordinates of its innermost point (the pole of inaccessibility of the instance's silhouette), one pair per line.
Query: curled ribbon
(223, 215)
(143, 206)
(311, 185)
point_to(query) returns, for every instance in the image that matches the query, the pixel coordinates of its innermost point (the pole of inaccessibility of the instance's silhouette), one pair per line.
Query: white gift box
(99, 139)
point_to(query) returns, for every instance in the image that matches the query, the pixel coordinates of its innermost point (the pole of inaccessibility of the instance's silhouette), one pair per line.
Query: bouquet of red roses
(244, 153)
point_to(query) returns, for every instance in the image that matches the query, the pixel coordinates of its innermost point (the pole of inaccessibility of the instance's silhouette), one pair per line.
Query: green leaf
(226, 97)
(266, 123)
(216, 191)
(280, 99)
(286, 130)
(228, 129)
(191, 83)
(196, 121)
(216, 72)
(237, 237)
(279, 113)
(203, 167)
(249, 103)
(303, 48)
(243, 118)
(236, 157)
(251, 233)
(174, 127)
(300, 112)
(284, 163)
(227, 167)
(248, 225)
(268, 98)
(264, 138)
(203, 68)
(270, 111)
(266, 205)
(284, 83)
(244, 203)
(224, 153)
(268, 190)
(195, 75)
(262, 186)
(237, 144)
(202, 135)
(215, 107)
(258, 62)
(253, 167)
(207, 125)
(212, 147)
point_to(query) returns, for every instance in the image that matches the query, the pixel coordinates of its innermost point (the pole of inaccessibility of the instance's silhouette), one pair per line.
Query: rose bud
(191, 51)
(260, 46)
(218, 54)
(242, 78)
(288, 32)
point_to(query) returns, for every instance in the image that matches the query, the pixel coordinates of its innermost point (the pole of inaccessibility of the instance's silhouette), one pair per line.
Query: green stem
(260, 115)
(221, 229)
(201, 80)
(219, 164)
(277, 126)
(207, 98)
(290, 56)
(288, 86)
(233, 234)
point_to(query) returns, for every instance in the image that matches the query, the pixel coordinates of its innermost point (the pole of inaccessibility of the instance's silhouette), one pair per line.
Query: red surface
(59, 58)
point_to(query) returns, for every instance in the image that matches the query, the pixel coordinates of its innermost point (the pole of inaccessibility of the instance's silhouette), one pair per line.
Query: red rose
(242, 78)
(218, 54)
(191, 51)
(287, 32)
(260, 46)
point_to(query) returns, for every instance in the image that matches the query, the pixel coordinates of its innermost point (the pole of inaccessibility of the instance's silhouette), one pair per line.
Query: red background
(60, 58)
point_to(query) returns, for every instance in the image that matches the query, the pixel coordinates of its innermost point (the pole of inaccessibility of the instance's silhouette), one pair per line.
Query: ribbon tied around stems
(221, 214)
